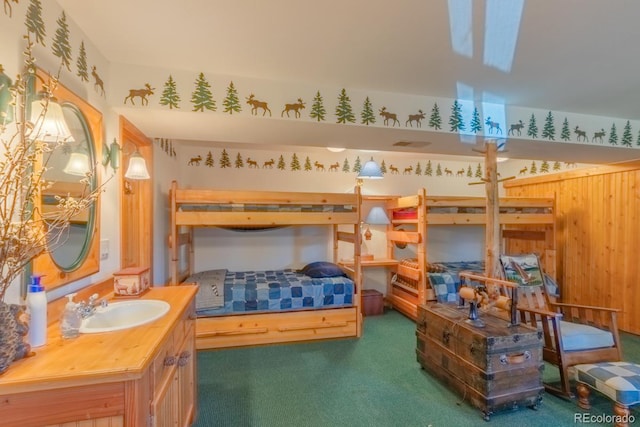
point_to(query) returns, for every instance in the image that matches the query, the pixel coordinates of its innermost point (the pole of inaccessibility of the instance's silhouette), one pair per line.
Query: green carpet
(373, 381)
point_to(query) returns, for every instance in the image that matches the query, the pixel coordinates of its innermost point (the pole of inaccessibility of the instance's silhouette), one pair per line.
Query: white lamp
(370, 170)
(376, 216)
(78, 164)
(137, 167)
(48, 120)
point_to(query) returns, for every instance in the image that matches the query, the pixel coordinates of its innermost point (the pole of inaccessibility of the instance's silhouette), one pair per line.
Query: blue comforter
(447, 282)
(278, 290)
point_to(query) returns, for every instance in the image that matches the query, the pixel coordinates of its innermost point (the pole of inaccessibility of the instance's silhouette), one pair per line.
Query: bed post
(550, 254)
(357, 266)
(421, 250)
(173, 236)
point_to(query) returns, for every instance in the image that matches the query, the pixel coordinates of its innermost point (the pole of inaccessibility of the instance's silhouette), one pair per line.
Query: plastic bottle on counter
(37, 307)
(71, 319)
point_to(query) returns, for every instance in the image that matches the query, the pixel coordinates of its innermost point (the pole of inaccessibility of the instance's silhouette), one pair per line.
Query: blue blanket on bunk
(446, 282)
(277, 290)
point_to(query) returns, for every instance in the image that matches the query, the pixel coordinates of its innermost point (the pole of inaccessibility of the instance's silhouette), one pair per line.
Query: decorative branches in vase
(26, 231)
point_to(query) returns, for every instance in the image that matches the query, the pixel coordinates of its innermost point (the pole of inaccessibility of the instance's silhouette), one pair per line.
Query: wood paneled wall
(597, 235)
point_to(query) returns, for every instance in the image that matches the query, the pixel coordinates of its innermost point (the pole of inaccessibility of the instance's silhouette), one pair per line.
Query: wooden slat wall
(597, 235)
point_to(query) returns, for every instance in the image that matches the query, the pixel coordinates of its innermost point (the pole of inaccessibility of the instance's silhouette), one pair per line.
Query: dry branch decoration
(26, 231)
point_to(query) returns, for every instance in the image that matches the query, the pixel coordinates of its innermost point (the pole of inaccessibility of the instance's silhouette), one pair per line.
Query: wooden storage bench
(495, 367)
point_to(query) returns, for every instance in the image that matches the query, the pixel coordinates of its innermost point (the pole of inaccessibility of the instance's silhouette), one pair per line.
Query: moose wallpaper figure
(140, 93)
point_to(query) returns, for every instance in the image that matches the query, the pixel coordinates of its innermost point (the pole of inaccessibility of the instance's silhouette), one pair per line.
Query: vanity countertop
(97, 358)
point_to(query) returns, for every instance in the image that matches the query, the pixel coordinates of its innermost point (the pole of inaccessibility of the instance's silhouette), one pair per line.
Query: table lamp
(377, 216)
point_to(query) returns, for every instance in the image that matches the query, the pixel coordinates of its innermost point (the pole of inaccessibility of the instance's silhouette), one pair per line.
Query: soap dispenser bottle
(71, 319)
(37, 307)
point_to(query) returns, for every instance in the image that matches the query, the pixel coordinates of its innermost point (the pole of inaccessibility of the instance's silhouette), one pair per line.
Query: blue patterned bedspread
(279, 290)
(447, 282)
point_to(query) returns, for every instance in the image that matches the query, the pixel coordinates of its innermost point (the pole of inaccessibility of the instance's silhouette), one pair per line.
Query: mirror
(77, 253)
(68, 251)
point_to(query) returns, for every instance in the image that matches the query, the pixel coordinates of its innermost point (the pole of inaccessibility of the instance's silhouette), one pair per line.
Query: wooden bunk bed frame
(272, 327)
(526, 225)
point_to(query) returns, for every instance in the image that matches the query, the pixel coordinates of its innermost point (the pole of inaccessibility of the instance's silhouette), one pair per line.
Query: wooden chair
(573, 334)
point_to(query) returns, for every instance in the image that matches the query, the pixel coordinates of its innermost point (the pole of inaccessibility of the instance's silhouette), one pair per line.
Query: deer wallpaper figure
(99, 84)
(7, 7)
(195, 160)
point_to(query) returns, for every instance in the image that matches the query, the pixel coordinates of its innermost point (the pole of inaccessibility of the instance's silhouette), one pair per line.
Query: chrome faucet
(87, 309)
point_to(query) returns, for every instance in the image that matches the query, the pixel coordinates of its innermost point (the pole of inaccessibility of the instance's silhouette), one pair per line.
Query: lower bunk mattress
(223, 292)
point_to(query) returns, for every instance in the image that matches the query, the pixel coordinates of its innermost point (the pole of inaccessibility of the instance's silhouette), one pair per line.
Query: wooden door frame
(132, 138)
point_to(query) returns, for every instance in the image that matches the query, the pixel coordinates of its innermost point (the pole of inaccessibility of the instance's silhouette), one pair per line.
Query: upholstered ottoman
(619, 381)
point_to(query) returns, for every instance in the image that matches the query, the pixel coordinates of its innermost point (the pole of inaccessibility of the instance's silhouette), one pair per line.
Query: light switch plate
(104, 249)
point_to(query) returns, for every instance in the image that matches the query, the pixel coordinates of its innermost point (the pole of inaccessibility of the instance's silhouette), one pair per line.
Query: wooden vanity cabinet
(137, 378)
(173, 397)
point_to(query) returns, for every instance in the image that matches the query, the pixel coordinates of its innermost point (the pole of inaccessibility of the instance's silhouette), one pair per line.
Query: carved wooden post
(492, 230)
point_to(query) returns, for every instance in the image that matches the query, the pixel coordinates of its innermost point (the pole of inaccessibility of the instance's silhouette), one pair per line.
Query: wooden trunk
(496, 367)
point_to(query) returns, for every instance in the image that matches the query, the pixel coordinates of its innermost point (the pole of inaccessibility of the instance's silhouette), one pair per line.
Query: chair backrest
(525, 270)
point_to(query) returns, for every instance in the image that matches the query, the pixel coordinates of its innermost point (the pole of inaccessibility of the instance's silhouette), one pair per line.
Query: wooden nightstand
(372, 300)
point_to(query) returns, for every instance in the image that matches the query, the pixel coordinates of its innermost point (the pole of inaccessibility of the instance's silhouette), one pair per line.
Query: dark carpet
(372, 381)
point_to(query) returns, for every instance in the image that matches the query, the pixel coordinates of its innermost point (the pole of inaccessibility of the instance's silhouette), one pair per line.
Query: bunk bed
(526, 225)
(285, 305)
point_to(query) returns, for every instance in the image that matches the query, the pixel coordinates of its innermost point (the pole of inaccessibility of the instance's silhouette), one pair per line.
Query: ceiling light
(336, 149)
(370, 170)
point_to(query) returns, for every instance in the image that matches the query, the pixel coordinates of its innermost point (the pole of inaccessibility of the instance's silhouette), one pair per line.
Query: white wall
(118, 78)
(293, 247)
(12, 46)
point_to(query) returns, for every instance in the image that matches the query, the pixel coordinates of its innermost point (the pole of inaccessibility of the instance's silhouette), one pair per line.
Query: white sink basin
(123, 315)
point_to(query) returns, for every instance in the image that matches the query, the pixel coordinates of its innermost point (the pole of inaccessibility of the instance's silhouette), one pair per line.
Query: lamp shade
(137, 167)
(370, 170)
(78, 164)
(377, 216)
(49, 125)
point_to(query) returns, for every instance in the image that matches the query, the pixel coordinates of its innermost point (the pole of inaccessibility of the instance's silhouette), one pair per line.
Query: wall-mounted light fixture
(137, 168)
(78, 163)
(111, 155)
(48, 120)
(370, 170)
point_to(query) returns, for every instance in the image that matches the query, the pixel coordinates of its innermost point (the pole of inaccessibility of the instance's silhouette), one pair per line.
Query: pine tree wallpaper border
(202, 99)
(419, 168)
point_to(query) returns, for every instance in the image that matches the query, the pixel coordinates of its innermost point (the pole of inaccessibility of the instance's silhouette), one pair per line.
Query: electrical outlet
(104, 249)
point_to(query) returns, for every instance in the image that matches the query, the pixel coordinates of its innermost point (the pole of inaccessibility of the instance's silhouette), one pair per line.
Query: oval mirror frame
(70, 255)
(88, 260)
